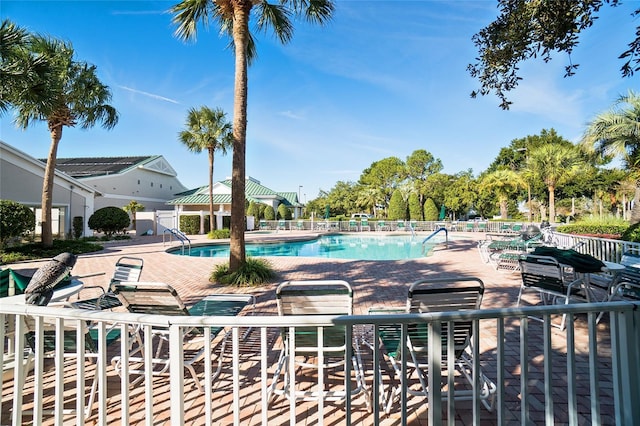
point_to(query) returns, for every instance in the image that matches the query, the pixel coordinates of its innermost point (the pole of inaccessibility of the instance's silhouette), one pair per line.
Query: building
(197, 200)
(21, 178)
(149, 180)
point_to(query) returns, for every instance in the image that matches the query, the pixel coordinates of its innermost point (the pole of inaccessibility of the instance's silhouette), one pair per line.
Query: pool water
(387, 247)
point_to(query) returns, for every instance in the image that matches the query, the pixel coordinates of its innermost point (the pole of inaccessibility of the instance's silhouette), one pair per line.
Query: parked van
(360, 216)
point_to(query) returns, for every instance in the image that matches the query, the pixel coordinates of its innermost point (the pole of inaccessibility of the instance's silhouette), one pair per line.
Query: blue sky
(384, 78)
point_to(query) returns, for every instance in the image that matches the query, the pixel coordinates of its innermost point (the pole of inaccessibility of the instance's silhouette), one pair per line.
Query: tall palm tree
(554, 164)
(617, 133)
(207, 129)
(233, 18)
(75, 97)
(504, 183)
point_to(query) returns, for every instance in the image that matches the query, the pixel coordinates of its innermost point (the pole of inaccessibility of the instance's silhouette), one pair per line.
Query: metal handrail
(180, 236)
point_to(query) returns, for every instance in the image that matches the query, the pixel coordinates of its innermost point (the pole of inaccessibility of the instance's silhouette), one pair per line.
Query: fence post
(625, 329)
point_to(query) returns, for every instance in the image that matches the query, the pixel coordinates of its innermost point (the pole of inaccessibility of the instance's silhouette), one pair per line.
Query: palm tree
(554, 164)
(207, 129)
(617, 133)
(75, 97)
(233, 18)
(504, 183)
(22, 74)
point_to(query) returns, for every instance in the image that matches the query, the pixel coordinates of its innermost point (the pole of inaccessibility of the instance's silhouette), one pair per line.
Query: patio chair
(440, 295)
(430, 296)
(548, 278)
(469, 226)
(264, 225)
(300, 225)
(282, 225)
(127, 269)
(72, 329)
(364, 224)
(381, 225)
(162, 299)
(12, 282)
(330, 297)
(353, 225)
(625, 285)
(400, 226)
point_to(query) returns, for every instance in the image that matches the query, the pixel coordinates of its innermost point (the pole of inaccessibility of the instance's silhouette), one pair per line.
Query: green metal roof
(254, 191)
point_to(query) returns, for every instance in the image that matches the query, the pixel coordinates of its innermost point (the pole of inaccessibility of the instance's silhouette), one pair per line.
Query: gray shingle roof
(98, 166)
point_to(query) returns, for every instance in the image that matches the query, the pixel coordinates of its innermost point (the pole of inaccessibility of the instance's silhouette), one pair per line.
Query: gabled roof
(254, 191)
(84, 167)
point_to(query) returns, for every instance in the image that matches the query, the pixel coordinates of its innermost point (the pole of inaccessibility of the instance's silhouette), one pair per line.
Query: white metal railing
(601, 248)
(524, 360)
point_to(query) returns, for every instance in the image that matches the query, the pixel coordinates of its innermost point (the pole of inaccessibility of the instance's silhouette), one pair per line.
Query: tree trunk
(237, 253)
(211, 221)
(504, 209)
(552, 204)
(635, 210)
(47, 185)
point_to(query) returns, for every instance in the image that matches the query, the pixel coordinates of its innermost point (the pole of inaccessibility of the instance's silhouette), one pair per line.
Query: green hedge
(593, 229)
(190, 225)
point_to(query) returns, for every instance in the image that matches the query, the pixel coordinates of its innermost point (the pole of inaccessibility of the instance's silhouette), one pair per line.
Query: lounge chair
(364, 224)
(381, 225)
(300, 225)
(547, 277)
(264, 225)
(353, 225)
(162, 299)
(433, 296)
(282, 225)
(400, 226)
(127, 269)
(331, 297)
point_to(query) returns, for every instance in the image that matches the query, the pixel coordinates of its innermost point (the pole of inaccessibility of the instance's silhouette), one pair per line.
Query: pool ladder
(179, 235)
(446, 236)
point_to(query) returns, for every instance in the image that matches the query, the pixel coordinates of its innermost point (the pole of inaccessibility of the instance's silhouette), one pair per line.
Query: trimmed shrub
(415, 209)
(269, 213)
(430, 210)
(219, 234)
(190, 224)
(109, 221)
(605, 230)
(77, 227)
(253, 210)
(397, 206)
(16, 220)
(284, 212)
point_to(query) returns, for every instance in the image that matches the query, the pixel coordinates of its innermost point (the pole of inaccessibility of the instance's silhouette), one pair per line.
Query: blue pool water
(374, 247)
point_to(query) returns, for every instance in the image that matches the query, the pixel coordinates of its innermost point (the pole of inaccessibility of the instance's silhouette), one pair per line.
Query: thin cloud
(291, 114)
(150, 95)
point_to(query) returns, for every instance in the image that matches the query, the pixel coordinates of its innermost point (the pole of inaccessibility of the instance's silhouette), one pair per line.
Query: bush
(269, 213)
(284, 212)
(253, 210)
(594, 229)
(190, 224)
(77, 227)
(16, 220)
(219, 234)
(415, 209)
(632, 233)
(255, 272)
(397, 207)
(430, 210)
(109, 221)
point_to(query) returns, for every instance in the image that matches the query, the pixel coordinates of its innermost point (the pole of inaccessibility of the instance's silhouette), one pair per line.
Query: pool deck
(375, 283)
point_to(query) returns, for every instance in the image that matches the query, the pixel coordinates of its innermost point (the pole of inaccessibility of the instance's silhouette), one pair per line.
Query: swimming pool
(373, 247)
